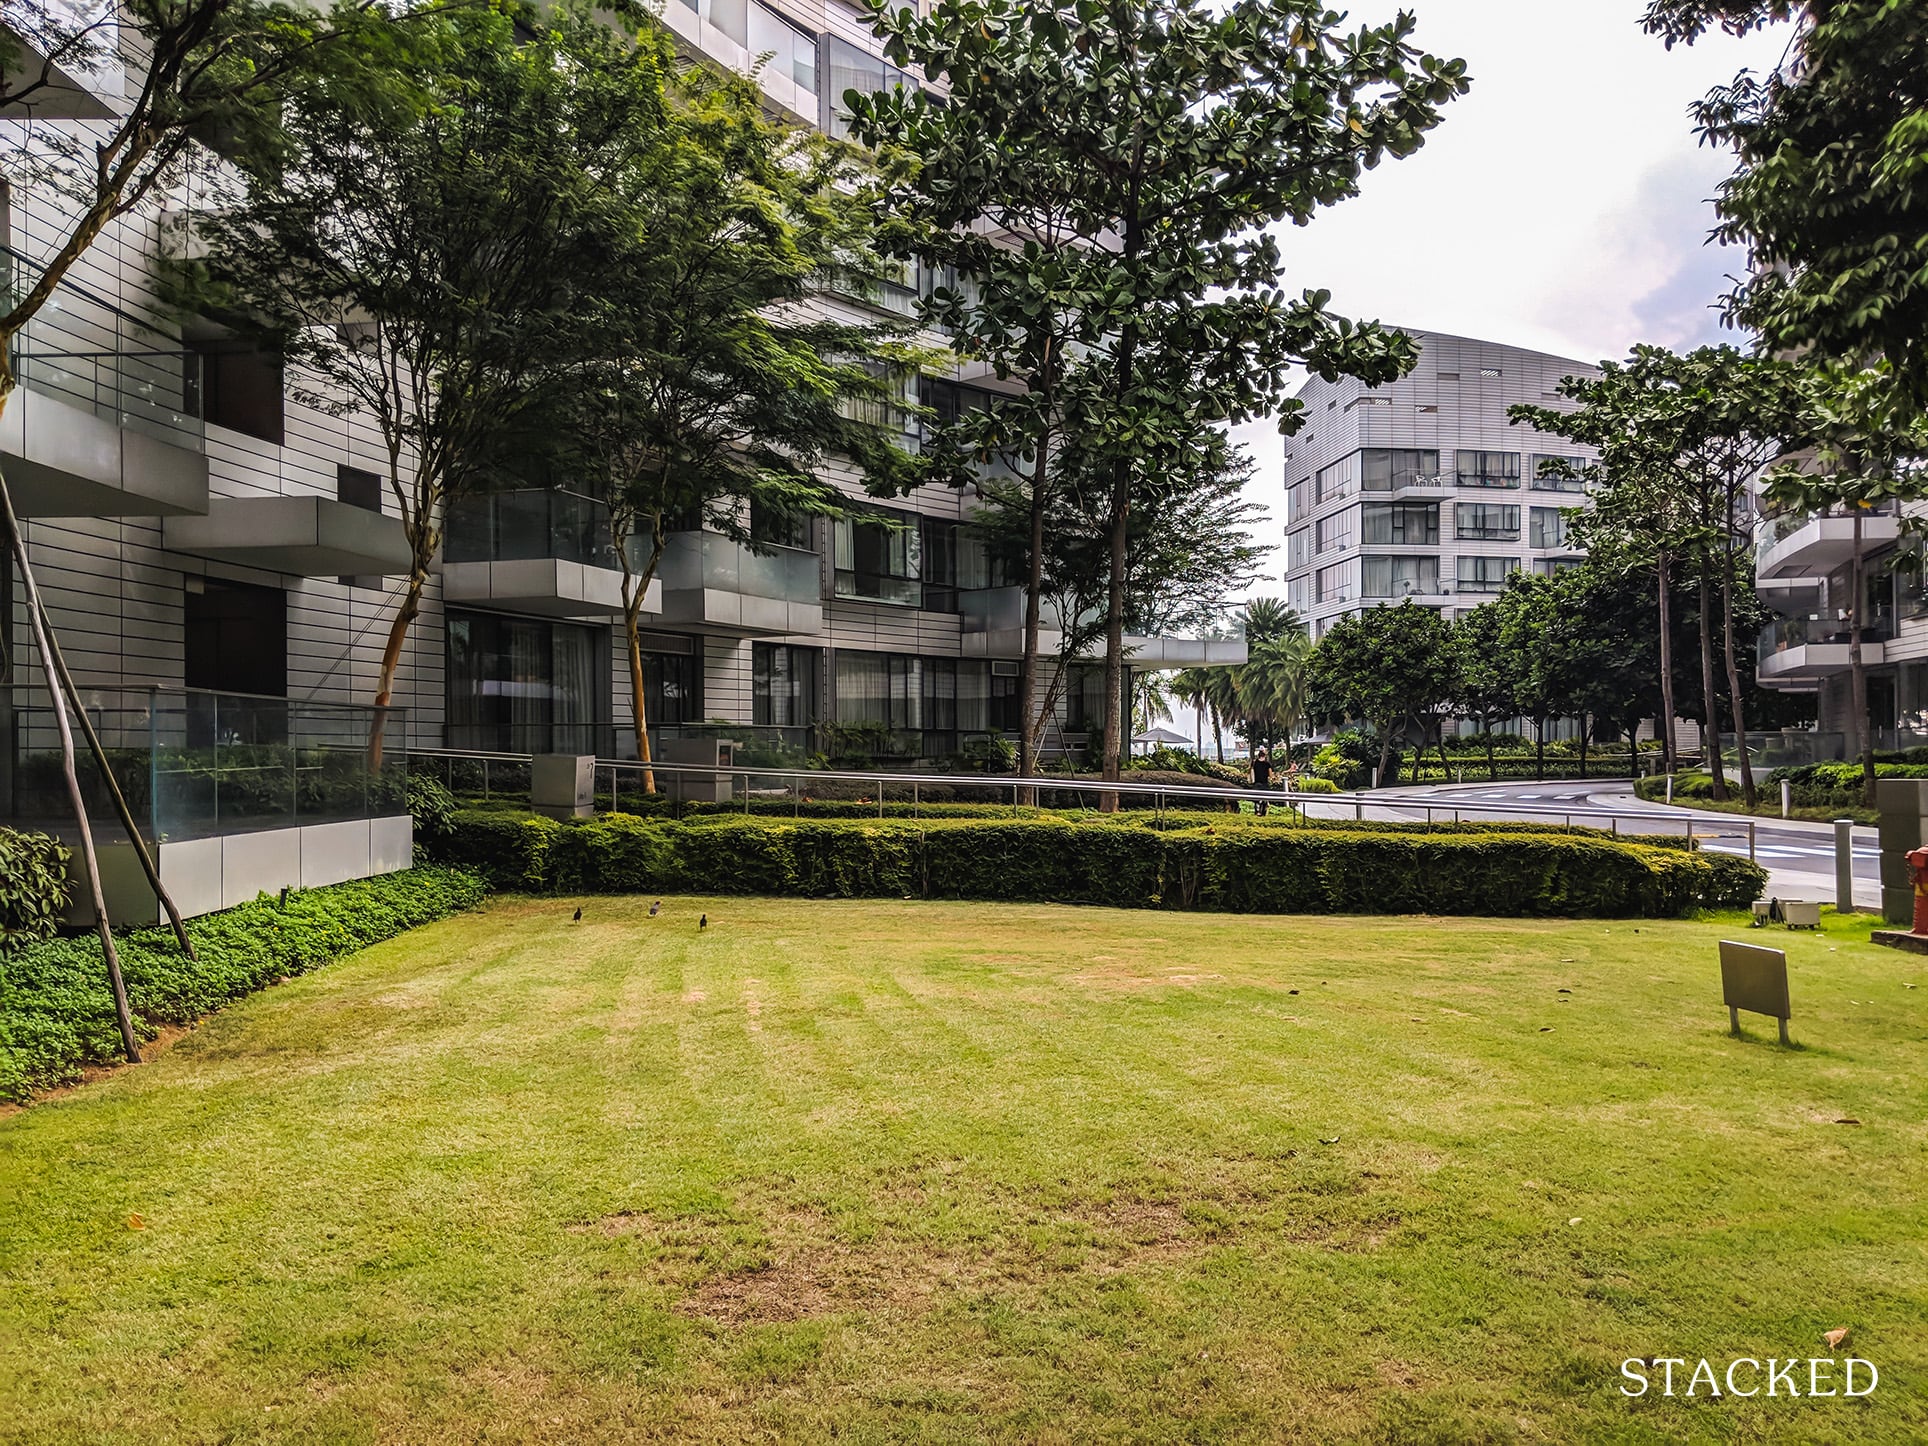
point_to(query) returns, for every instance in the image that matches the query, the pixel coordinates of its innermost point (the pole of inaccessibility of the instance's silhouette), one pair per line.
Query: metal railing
(506, 775)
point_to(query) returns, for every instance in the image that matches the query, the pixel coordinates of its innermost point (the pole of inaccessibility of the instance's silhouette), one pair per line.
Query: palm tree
(1271, 687)
(1190, 686)
(1268, 617)
(1221, 698)
(1152, 698)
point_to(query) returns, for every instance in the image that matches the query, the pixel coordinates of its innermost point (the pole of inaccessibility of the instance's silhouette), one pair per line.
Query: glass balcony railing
(125, 367)
(710, 560)
(1799, 632)
(530, 522)
(1771, 531)
(196, 764)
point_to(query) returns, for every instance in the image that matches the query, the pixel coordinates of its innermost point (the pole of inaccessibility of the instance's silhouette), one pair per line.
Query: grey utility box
(1904, 826)
(563, 785)
(718, 753)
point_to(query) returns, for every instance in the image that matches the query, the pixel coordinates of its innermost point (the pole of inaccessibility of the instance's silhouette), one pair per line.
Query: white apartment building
(222, 562)
(1804, 573)
(1422, 489)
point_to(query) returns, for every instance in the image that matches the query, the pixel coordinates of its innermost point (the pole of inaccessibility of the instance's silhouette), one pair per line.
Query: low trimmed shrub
(34, 887)
(433, 808)
(57, 1014)
(1235, 865)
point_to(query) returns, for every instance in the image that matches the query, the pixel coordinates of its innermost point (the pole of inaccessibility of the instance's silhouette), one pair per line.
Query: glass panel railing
(530, 522)
(126, 366)
(198, 764)
(1782, 634)
(711, 560)
(1772, 530)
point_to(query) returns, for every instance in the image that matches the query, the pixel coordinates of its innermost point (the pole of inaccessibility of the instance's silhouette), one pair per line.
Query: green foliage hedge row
(57, 1014)
(1226, 865)
(34, 887)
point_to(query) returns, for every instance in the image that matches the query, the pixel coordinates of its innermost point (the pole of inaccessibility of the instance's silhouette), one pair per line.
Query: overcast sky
(1561, 205)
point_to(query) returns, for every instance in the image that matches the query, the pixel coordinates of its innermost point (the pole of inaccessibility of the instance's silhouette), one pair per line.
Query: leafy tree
(703, 393)
(1484, 688)
(202, 68)
(1828, 195)
(1681, 436)
(1870, 449)
(1170, 134)
(1391, 666)
(430, 261)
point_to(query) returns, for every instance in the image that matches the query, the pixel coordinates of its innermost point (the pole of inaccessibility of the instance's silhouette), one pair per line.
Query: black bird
(704, 922)
(655, 908)
(579, 913)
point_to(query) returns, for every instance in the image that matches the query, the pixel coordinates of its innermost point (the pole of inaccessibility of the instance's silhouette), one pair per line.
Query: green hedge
(34, 887)
(57, 1015)
(1229, 865)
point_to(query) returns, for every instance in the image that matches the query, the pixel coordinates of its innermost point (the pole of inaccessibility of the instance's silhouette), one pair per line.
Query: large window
(1298, 548)
(1335, 532)
(792, 53)
(885, 688)
(783, 685)
(1486, 522)
(845, 67)
(239, 387)
(1298, 499)
(1488, 469)
(880, 557)
(1547, 527)
(1337, 479)
(1485, 574)
(1385, 469)
(525, 685)
(1402, 524)
(1546, 468)
(1389, 577)
(1330, 584)
(772, 528)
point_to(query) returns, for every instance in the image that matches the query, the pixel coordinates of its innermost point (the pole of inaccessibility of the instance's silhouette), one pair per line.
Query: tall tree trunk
(1583, 746)
(635, 588)
(1539, 750)
(405, 615)
(1218, 733)
(1633, 749)
(1663, 577)
(1857, 673)
(89, 860)
(1734, 678)
(1492, 767)
(1031, 736)
(1710, 702)
(1385, 775)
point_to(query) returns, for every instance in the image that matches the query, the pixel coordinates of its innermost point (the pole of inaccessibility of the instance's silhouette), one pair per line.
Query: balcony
(106, 422)
(994, 628)
(1808, 545)
(303, 536)
(84, 82)
(1799, 650)
(536, 550)
(241, 795)
(714, 583)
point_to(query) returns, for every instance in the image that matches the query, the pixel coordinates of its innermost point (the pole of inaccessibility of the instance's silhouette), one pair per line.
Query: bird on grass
(655, 908)
(578, 918)
(704, 922)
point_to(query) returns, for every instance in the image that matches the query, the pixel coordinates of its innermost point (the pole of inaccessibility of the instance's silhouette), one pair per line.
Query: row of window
(1396, 577)
(1416, 524)
(1387, 469)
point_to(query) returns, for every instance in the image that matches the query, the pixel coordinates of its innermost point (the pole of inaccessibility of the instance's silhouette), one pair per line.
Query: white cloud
(1563, 204)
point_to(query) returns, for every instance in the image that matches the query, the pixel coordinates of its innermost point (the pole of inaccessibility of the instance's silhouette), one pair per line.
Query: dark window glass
(783, 685)
(879, 557)
(236, 638)
(779, 529)
(1488, 469)
(940, 543)
(1486, 522)
(358, 487)
(240, 388)
(526, 685)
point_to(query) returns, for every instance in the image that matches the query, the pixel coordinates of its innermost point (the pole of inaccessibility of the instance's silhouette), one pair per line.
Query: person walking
(1261, 772)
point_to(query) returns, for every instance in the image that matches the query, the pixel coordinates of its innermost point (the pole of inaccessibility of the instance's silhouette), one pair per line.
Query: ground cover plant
(963, 1171)
(57, 1016)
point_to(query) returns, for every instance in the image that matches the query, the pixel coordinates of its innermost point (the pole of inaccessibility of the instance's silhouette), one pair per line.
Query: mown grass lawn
(961, 1171)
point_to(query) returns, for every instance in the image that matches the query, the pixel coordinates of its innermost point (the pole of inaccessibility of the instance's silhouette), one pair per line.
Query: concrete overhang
(544, 586)
(305, 536)
(63, 461)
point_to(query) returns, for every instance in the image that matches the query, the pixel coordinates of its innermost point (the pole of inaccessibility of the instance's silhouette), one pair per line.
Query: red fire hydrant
(1918, 867)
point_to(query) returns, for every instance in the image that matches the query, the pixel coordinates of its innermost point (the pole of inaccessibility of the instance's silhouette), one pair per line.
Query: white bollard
(1786, 790)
